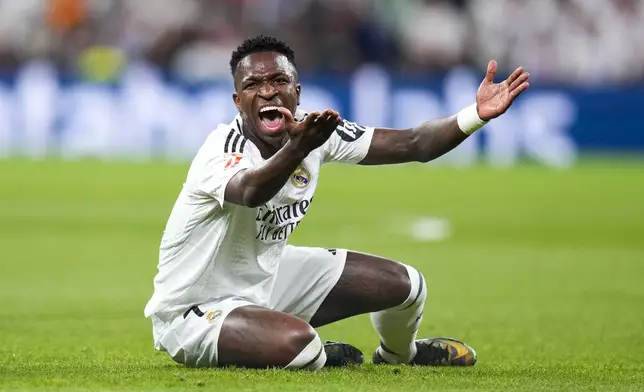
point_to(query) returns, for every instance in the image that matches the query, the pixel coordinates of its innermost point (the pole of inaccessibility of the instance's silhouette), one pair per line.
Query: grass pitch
(541, 271)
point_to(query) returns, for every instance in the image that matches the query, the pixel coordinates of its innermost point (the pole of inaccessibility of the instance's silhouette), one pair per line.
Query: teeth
(267, 108)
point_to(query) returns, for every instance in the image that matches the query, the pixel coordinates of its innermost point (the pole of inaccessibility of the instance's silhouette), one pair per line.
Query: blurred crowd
(570, 41)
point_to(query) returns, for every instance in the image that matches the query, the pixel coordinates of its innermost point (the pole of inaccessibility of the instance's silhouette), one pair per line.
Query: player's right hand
(314, 131)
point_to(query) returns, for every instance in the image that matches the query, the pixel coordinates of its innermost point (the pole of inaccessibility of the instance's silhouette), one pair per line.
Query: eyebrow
(269, 76)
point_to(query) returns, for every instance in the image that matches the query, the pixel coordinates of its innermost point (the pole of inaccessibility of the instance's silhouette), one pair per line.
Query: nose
(267, 91)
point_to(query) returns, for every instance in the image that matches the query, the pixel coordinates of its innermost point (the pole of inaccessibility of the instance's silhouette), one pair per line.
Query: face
(264, 81)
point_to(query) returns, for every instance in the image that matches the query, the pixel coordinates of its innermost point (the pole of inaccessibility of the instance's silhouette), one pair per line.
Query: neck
(266, 148)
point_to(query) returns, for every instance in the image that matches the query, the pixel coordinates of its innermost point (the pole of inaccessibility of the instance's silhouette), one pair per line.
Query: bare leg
(393, 293)
(368, 284)
(256, 337)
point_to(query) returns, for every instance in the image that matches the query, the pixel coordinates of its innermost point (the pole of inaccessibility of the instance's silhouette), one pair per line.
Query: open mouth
(271, 119)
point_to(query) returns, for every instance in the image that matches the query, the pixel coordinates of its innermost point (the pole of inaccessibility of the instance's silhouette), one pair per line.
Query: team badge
(213, 315)
(301, 177)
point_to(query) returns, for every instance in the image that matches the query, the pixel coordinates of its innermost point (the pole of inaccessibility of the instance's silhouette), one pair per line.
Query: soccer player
(230, 291)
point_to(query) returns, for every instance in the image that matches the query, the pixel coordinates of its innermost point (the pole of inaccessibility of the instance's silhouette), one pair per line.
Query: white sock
(313, 357)
(398, 326)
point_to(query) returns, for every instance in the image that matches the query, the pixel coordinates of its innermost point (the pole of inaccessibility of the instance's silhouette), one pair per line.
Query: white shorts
(304, 279)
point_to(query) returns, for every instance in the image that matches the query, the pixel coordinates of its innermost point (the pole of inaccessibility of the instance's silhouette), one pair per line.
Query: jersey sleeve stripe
(242, 145)
(230, 136)
(234, 147)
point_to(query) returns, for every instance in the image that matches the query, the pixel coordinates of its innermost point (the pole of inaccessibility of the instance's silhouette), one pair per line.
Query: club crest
(301, 177)
(213, 316)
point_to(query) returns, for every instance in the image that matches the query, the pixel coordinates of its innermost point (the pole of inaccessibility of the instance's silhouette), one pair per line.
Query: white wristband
(469, 121)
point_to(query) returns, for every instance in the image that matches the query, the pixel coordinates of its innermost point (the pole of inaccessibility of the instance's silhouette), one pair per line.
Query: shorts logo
(301, 177)
(212, 316)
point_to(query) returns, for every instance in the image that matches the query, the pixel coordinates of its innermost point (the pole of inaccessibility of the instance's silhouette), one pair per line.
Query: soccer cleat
(342, 354)
(443, 352)
(438, 352)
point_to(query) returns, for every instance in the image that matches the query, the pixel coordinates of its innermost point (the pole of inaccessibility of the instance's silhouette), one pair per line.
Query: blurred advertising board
(146, 115)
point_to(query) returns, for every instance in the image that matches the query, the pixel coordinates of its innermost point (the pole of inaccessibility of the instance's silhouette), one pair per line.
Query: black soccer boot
(438, 352)
(342, 354)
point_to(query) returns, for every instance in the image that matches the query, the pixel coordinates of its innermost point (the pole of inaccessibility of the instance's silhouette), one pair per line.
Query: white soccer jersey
(214, 250)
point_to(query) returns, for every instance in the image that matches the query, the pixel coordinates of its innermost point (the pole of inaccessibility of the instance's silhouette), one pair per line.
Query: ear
(237, 101)
(298, 89)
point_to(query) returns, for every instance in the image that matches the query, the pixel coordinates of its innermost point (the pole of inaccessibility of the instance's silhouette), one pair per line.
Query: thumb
(288, 116)
(491, 72)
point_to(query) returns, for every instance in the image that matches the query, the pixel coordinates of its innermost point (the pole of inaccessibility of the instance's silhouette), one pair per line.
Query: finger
(517, 72)
(311, 118)
(328, 124)
(491, 71)
(519, 81)
(331, 120)
(325, 115)
(288, 116)
(332, 114)
(332, 125)
(336, 117)
(516, 92)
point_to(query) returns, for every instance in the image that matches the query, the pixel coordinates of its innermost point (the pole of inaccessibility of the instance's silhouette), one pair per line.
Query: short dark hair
(261, 43)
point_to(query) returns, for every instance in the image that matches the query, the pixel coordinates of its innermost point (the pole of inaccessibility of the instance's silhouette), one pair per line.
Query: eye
(250, 85)
(281, 80)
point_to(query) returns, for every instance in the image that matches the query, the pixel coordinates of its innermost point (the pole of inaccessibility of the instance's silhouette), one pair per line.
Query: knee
(305, 348)
(298, 337)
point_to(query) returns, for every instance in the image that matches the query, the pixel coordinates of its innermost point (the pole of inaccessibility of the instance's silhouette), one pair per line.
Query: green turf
(542, 275)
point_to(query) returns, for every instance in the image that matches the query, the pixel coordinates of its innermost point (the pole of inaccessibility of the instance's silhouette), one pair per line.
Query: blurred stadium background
(530, 233)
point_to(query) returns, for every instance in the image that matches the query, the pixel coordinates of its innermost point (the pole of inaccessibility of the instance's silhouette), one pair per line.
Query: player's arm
(255, 186)
(432, 139)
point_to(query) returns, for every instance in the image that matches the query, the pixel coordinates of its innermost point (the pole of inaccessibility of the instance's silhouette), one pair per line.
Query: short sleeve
(217, 172)
(348, 144)
(219, 159)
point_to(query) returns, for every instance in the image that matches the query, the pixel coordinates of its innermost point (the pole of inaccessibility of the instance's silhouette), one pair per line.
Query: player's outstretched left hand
(314, 130)
(492, 100)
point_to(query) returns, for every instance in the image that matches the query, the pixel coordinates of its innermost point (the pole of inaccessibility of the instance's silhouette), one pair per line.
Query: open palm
(493, 99)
